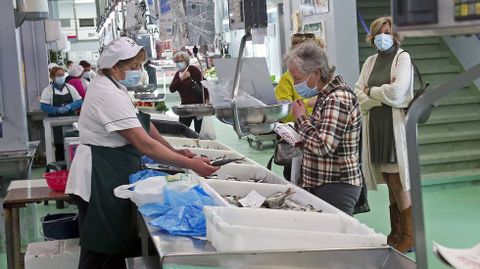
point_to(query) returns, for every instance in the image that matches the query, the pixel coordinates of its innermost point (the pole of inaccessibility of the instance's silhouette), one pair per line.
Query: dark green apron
(110, 224)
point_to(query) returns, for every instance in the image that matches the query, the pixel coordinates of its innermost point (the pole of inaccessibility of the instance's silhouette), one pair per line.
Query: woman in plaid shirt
(331, 135)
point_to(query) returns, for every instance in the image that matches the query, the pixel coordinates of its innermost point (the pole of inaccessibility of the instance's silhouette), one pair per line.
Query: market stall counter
(197, 251)
(177, 250)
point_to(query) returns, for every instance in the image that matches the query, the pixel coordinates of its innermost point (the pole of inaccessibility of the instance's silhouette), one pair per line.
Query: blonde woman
(182, 83)
(286, 89)
(384, 89)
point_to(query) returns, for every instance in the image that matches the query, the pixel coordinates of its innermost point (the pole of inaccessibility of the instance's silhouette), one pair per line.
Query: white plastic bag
(208, 130)
(150, 190)
(145, 191)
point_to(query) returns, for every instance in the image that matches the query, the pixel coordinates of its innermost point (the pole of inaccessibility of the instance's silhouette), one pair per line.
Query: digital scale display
(466, 10)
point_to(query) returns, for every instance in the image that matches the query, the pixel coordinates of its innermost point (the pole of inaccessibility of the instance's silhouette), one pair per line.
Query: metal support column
(418, 106)
(15, 134)
(281, 34)
(35, 61)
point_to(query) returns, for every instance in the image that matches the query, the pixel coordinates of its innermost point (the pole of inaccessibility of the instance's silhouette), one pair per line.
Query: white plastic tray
(195, 143)
(245, 172)
(219, 188)
(247, 229)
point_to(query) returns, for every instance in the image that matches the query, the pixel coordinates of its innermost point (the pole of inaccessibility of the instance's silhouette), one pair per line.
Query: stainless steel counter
(179, 250)
(368, 258)
(48, 124)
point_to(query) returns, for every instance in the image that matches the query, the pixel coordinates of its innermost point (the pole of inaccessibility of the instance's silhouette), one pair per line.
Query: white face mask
(383, 41)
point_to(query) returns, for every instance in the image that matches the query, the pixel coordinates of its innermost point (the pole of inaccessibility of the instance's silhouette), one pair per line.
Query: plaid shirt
(331, 137)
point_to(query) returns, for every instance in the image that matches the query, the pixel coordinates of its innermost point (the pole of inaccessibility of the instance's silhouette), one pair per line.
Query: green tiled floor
(452, 213)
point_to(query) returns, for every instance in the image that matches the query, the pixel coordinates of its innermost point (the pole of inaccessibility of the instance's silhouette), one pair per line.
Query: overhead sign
(152, 29)
(87, 34)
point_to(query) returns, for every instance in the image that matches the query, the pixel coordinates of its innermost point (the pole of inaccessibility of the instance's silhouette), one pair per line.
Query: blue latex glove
(68, 107)
(62, 110)
(51, 110)
(75, 105)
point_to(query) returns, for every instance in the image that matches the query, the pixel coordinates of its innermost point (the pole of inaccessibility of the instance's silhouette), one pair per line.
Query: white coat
(398, 95)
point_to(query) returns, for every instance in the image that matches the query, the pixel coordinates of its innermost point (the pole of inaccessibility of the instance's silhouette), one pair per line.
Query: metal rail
(428, 98)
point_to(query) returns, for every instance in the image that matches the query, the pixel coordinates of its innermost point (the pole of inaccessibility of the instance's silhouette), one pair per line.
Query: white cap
(52, 65)
(75, 70)
(122, 48)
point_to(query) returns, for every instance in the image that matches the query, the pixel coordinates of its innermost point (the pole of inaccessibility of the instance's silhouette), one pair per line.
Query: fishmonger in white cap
(113, 136)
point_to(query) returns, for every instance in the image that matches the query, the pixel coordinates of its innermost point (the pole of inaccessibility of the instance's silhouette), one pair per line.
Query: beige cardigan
(398, 95)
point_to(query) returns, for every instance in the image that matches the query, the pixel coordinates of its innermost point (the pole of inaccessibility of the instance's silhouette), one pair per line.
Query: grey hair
(309, 57)
(183, 55)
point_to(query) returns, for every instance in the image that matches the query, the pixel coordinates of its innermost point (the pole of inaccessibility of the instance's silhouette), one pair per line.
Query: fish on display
(276, 200)
(233, 200)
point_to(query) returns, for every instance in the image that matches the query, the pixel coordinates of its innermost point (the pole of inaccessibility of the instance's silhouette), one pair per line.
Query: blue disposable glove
(68, 107)
(75, 105)
(62, 110)
(51, 110)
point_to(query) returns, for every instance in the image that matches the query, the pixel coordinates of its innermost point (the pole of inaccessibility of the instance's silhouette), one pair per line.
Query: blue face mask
(132, 77)
(383, 42)
(305, 91)
(180, 65)
(59, 81)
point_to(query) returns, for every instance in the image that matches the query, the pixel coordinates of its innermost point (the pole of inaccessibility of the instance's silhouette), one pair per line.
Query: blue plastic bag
(154, 210)
(181, 212)
(195, 196)
(143, 174)
(147, 160)
(184, 220)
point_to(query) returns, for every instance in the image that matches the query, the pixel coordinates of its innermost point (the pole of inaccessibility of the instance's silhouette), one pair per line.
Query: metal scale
(254, 122)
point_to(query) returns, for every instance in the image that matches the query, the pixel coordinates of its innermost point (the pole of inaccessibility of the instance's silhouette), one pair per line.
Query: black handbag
(423, 87)
(362, 204)
(283, 154)
(197, 87)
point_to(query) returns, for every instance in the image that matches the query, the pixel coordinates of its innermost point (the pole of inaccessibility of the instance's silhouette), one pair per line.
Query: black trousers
(59, 152)
(94, 260)
(187, 121)
(341, 195)
(287, 172)
(90, 259)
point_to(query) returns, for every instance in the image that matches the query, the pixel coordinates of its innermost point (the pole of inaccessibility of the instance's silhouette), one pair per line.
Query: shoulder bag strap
(414, 67)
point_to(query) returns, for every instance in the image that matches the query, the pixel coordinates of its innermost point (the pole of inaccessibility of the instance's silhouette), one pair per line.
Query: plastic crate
(247, 229)
(219, 188)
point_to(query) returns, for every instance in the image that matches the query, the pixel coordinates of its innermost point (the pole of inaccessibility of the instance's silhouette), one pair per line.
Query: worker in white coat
(113, 136)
